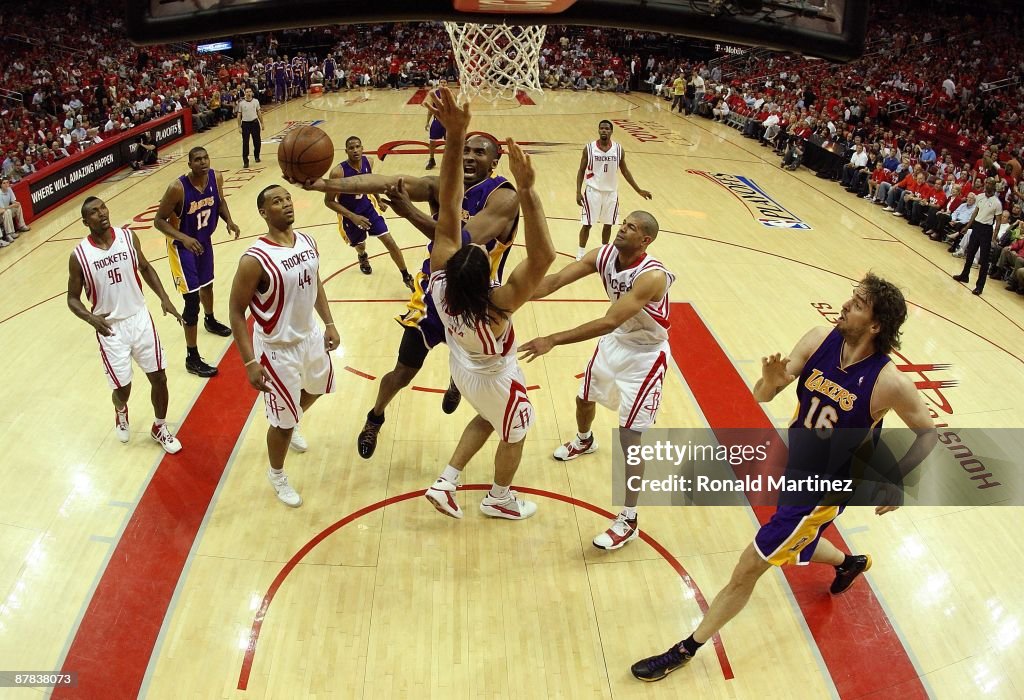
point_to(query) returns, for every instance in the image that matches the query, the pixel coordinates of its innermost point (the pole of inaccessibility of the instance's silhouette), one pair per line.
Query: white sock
(277, 472)
(580, 253)
(630, 513)
(583, 437)
(158, 421)
(498, 491)
(451, 474)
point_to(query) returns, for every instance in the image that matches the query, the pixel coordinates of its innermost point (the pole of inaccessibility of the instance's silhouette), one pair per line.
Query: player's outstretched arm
(540, 251)
(576, 270)
(247, 280)
(448, 232)
(420, 189)
(647, 288)
(153, 280)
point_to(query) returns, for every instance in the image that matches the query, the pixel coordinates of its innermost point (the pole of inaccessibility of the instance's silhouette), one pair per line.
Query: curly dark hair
(468, 292)
(888, 307)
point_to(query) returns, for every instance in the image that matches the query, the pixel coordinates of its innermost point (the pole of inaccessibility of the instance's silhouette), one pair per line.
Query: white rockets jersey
(473, 347)
(650, 325)
(284, 311)
(603, 167)
(111, 276)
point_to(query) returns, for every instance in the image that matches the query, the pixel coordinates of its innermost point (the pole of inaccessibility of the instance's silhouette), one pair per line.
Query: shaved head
(647, 222)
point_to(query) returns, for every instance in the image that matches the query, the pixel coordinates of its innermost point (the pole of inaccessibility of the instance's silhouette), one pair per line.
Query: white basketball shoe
(442, 496)
(285, 493)
(575, 447)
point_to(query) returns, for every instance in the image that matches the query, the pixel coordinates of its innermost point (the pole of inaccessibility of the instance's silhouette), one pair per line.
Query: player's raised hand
(258, 377)
(168, 308)
(101, 324)
(773, 370)
(447, 110)
(535, 348)
(520, 165)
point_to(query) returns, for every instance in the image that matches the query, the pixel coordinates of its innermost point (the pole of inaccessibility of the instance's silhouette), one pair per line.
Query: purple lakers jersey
(832, 396)
(357, 203)
(473, 202)
(833, 420)
(199, 210)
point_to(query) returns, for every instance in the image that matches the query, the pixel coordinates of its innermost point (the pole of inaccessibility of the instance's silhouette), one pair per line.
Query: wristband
(329, 324)
(251, 361)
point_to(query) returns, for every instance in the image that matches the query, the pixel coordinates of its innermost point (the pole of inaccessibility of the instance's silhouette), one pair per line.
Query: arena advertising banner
(55, 185)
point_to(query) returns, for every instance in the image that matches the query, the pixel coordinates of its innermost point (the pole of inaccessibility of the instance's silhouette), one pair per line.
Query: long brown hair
(468, 291)
(888, 307)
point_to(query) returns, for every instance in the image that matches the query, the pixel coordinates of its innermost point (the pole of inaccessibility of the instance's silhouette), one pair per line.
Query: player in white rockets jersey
(477, 321)
(278, 280)
(599, 169)
(629, 364)
(109, 265)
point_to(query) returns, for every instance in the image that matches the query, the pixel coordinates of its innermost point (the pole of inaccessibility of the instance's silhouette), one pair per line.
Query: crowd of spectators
(918, 126)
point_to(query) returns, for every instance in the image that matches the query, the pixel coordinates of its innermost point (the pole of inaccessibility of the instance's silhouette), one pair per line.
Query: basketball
(305, 154)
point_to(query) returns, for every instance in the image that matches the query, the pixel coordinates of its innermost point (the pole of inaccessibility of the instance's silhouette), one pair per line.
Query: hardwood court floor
(401, 602)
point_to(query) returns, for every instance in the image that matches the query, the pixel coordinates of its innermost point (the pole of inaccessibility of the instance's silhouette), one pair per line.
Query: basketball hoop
(496, 60)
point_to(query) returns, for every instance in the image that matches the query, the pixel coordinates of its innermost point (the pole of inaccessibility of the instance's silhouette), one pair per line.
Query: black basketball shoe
(367, 441)
(452, 397)
(196, 365)
(216, 327)
(846, 575)
(654, 668)
(364, 264)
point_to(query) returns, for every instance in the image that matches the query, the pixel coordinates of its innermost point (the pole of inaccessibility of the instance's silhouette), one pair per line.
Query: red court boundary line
(261, 614)
(858, 644)
(116, 636)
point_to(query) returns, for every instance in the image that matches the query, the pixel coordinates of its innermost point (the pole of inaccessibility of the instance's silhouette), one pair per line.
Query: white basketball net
(496, 60)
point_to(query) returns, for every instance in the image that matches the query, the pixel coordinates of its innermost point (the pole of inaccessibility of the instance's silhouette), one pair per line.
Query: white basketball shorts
(599, 207)
(134, 337)
(306, 365)
(500, 399)
(628, 379)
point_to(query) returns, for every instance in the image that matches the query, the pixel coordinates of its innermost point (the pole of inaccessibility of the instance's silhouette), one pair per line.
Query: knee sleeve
(191, 313)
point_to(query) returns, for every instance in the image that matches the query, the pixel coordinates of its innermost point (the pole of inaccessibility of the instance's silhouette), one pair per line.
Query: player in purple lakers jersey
(360, 215)
(490, 212)
(846, 382)
(188, 216)
(434, 127)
